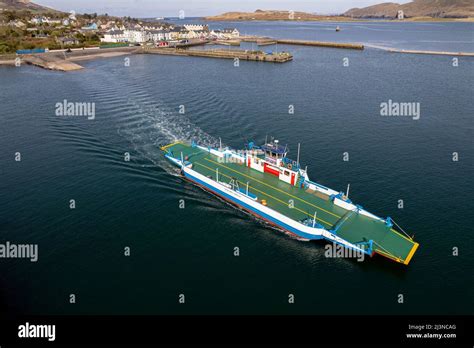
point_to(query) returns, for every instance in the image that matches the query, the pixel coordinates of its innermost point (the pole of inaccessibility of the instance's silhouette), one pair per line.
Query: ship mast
(298, 156)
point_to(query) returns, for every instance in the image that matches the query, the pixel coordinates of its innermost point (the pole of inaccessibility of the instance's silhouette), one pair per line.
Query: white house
(68, 41)
(201, 34)
(136, 36)
(186, 34)
(230, 33)
(127, 35)
(216, 34)
(17, 23)
(43, 19)
(400, 14)
(153, 27)
(36, 20)
(115, 36)
(90, 27)
(53, 21)
(158, 35)
(174, 34)
(195, 27)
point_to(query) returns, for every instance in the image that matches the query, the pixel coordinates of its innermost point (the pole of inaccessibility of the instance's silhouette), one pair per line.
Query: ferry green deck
(278, 195)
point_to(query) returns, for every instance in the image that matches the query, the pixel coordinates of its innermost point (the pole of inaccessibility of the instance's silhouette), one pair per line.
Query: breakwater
(280, 57)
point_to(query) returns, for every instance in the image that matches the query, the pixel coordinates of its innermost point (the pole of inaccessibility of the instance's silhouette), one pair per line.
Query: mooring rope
(401, 229)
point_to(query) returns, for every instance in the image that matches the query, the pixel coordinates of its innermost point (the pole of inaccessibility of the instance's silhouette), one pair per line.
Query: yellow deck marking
(172, 144)
(412, 252)
(276, 189)
(266, 194)
(390, 256)
(401, 235)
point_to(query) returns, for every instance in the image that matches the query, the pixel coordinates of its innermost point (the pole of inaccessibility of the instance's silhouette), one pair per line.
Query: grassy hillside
(23, 5)
(269, 15)
(417, 8)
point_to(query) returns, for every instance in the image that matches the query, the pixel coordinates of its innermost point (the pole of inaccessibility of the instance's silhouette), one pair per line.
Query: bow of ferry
(263, 181)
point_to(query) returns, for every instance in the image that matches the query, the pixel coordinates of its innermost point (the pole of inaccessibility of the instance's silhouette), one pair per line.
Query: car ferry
(263, 181)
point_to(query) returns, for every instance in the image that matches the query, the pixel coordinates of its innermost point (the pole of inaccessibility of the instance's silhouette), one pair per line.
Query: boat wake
(141, 119)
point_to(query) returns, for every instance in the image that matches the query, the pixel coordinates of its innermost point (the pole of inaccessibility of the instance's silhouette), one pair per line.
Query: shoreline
(348, 20)
(65, 61)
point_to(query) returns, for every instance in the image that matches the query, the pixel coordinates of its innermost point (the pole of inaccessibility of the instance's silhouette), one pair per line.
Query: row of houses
(142, 35)
(70, 20)
(204, 27)
(46, 20)
(229, 33)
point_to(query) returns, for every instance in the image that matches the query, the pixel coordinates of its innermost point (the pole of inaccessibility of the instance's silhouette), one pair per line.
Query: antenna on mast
(347, 192)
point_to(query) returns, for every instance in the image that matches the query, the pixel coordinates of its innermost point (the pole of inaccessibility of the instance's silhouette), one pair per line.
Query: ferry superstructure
(263, 181)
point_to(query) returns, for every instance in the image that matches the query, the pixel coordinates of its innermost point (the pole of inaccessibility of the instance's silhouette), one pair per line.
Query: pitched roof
(115, 32)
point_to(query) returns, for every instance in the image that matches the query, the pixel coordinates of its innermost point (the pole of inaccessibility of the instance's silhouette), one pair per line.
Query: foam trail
(155, 125)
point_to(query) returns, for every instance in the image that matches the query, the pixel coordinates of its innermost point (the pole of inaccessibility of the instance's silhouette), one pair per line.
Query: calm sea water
(190, 250)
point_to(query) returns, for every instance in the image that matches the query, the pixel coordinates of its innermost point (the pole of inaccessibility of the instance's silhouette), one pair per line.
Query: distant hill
(270, 15)
(417, 8)
(22, 5)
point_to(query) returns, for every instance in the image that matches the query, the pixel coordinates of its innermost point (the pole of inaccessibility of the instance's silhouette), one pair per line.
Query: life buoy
(289, 166)
(281, 164)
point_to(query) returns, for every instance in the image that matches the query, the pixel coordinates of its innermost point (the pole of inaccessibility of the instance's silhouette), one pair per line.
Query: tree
(10, 15)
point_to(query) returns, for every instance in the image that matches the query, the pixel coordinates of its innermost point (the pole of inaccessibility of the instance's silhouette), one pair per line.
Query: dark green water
(190, 250)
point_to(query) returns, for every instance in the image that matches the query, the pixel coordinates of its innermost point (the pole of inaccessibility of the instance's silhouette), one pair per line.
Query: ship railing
(311, 223)
(246, 193)
(309, 182)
